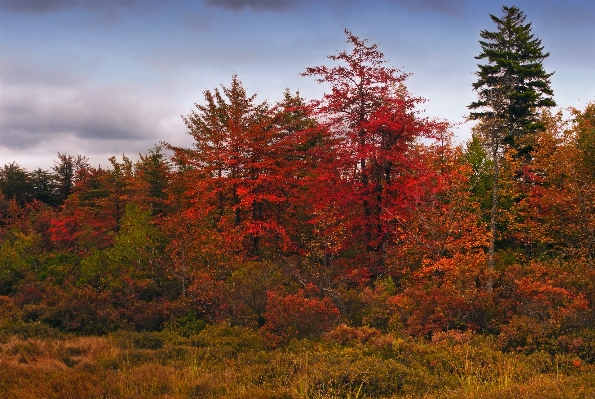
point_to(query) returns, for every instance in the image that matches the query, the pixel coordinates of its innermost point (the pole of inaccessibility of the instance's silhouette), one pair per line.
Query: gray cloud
(47, 99)
(452, 7)
(31, 116)
(37, 6)
(445, 6)
(195, 21)
(108, 9)
(21, 68)
(256, 5)
(561, 14)
(103, 11)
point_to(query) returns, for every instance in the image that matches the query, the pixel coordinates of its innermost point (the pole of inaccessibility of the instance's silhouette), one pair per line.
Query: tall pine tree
(513, 84)
(511, 87)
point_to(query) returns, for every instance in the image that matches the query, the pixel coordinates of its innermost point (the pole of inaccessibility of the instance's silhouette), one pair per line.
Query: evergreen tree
(67, 171)
(15, 183)
(511, 87)
(43, 187)
(513, 84)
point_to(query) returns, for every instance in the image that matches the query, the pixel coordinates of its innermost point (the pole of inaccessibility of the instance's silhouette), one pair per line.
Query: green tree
(153, 176)
(138, 245)
(15, 183)
(511, 87)
(67, 171)
(43, 187)
(513, 84)
(481, 173)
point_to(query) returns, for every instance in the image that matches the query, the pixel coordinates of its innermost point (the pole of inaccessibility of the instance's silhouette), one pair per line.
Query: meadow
(235, 362)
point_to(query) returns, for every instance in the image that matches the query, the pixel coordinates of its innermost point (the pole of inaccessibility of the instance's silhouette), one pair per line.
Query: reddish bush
(447, 295)
(299, 315)
(343, 334)
(149, 316)
(208, 296)
(546, 293)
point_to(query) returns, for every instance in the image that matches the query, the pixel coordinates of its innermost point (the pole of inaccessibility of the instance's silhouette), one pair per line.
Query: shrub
(344, 335)
(299, 315)
(447, 295)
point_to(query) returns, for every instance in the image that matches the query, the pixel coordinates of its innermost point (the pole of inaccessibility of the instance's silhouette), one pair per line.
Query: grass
(230, 362)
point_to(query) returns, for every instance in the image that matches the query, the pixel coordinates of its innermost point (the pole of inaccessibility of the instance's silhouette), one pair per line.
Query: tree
(511, 88)
(243, 168)
(513, 85)
(67, 171)
(558, 215)
(153, 175)
(230, 135)
(43, 187)
(15, 183)
(119, 183)
(372, 119)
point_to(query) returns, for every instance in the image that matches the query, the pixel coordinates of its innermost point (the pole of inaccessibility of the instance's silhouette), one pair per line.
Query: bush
(300, 315)
(447, 295)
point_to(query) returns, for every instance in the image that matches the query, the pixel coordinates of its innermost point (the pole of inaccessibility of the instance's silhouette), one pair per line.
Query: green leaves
(513, 83)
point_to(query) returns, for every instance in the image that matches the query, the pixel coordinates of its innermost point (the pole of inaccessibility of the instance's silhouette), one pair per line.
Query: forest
(340, 247)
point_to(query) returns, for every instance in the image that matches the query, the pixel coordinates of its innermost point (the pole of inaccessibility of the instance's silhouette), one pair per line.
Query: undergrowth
(233, 362)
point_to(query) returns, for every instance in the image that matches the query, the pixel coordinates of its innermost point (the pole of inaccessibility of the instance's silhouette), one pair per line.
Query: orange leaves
(245, 168)
(299, 315)
(556, 213)
(545, 299)
(447, 294)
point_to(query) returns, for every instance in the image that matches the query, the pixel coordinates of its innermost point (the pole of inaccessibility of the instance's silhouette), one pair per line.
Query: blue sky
(102, 78)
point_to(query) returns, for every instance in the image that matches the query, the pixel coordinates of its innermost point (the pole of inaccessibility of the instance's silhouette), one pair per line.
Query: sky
(110, 77)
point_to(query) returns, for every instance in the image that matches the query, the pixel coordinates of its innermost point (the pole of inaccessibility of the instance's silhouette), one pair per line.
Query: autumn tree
(372, 119)
(558, 215)
(241, 167)
(93, 211)
(78, 227)
(448, 220)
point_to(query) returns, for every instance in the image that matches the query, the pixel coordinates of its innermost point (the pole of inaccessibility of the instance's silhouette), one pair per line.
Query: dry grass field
(231, 362)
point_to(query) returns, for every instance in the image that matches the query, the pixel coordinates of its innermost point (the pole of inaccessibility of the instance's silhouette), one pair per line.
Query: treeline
(296, 217)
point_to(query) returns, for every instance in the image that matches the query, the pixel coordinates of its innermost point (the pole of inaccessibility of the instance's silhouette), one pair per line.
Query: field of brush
(232, 362)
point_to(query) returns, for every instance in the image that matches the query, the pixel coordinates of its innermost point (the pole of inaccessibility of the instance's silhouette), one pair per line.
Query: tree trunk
(494, 212)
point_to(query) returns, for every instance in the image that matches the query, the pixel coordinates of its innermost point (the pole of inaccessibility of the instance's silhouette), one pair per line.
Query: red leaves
(447, 294)
(246, 167)
(372, 120)
(300, 315)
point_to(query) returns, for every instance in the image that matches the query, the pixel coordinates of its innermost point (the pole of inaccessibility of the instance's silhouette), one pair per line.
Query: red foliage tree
(243, 170)
(372, 119)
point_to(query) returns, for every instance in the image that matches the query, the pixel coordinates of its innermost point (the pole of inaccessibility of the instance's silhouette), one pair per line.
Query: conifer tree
(513, 84)
(511, 87)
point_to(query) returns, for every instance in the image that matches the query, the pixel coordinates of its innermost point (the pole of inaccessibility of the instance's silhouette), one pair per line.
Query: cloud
(47, 99)
(452, 7)
(95, 120)
(32, 115)
(561, 14)
(21, 68)
(195, 21)
(105, 11)
(57, 104)
(256, 5)
(37, 6)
